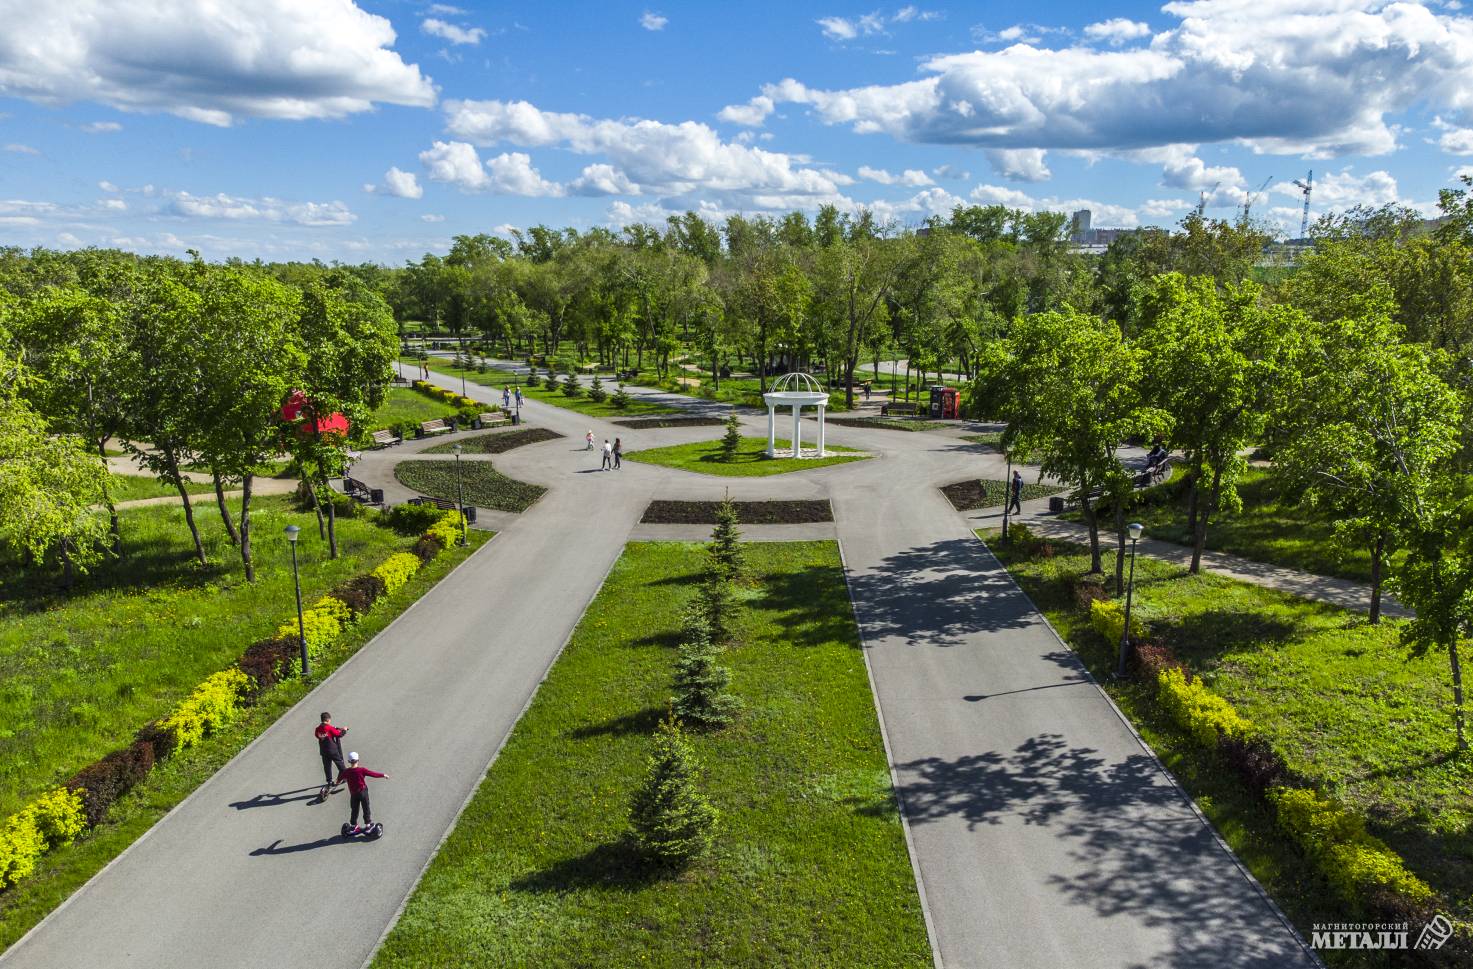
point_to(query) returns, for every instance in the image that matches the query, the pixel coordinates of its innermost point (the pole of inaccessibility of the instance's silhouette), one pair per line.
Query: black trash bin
(1055, 503)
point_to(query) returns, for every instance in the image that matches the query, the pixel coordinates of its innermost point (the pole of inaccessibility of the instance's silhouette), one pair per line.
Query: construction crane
(1202, 201)
(1248, 200)
(1306, 186)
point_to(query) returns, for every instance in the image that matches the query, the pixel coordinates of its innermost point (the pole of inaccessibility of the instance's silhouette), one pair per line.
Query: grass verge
(497, 379)
(402, 406)
(484, 486)
(751, 460)
(1338, 698)
(810, 866)
(172, 780)
(131, 487)
(79, 673)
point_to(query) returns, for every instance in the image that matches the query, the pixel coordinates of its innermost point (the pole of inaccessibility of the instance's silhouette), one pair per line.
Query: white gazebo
(795, 390)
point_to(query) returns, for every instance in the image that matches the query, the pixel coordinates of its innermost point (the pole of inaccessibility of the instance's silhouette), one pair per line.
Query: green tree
(1371, 425)
(49, 483)
(673, 822)
(1216, 360)
(1436, 582)
(620, 398)
(731, 440)
(1070, 390)
(725, 548)
(596, 392)
(702, 686)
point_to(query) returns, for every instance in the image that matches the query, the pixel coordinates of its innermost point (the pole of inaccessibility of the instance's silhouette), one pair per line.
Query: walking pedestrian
(329, 745)
(1015, 504)
(618, 453)
(505, 399)
(518, 394)
(588, 441)
(608, 455)
(357, 780)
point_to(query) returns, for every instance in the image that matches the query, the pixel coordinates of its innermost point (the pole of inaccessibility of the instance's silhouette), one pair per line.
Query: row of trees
(186, 366)
(1354, 373)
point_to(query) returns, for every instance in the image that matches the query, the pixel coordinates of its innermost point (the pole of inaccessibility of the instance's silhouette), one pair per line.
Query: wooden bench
(1155, 474)
(437, 426)
(899, 407)
(623, 375)
(1069, 502)
(359, 491)
(494, 419)
(445, 504)
(385, 438)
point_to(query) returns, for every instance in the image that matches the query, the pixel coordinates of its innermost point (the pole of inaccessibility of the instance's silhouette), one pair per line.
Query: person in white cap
(357, 781)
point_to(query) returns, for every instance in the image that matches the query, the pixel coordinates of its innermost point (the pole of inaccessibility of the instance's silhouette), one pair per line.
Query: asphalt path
(1042, 831)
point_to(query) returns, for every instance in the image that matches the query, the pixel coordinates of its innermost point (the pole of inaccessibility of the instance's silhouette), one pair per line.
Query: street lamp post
(291, 539)
(1135, 529)
(460, 499)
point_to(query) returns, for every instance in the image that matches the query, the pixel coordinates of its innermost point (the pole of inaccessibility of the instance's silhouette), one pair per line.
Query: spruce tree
(620, 398)
(701, 695)
(731, 441)
(673, 821)
(571, 386)
(596, 393)
(716, 605)
(725, 548)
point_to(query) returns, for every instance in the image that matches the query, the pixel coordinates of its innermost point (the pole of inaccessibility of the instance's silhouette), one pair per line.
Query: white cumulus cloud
(911, 176)
(1020, 164)
(265, 209)
(402, 184)
(653, 21)
(101, 127)
(458, 163)
(207, 60)
(751, 114)
(1117, 30)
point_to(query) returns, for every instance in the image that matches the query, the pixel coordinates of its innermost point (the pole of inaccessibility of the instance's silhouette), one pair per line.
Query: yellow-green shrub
(446, 531)
(214, 703)
(319, 627)
(1198, 710)
(51, 821)
(335, 607)
(1107, 616)
(396, 570)
(1351, 859)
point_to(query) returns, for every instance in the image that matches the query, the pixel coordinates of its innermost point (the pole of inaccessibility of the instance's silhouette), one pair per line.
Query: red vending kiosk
(944, 402)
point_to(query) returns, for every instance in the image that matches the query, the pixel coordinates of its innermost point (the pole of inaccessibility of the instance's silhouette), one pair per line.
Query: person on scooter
(329, 744)
(357, 780)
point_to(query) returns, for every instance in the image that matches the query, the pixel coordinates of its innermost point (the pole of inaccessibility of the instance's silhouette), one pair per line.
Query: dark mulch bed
(496, 442)
(650, 423)
(662, 512)
(888, 423)
(990, 493)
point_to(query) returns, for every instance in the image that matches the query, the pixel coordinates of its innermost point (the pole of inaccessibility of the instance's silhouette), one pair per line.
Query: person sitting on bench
(1156, 455)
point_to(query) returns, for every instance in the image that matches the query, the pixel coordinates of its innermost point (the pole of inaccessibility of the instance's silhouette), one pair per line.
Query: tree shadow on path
(1136, 850)
(938, 595)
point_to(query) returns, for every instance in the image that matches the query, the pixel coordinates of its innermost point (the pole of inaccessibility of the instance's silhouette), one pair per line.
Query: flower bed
(665, 512)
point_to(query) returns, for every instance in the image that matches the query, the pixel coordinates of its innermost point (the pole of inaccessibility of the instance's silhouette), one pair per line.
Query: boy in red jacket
(329, 744)
(357, 780)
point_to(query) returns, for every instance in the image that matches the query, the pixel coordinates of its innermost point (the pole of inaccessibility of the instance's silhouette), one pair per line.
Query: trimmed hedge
(1196, 709)
(394, 571)
(56, 818)
(1354, 861)
(1107, 616)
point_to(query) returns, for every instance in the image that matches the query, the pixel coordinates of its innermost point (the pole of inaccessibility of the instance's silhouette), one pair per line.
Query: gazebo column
(797, 430)
(821, 409)
(772, 430)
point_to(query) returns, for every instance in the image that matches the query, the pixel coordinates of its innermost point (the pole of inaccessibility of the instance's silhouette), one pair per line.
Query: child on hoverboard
(357, 780)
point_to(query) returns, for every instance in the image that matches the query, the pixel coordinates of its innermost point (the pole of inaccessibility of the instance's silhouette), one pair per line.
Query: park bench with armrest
(492, 419)
(899, 407)
(437, 426)
(359, 491)
(385, 438)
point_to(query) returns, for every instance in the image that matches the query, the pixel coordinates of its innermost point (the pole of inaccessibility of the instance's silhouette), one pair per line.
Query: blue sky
(380, 129)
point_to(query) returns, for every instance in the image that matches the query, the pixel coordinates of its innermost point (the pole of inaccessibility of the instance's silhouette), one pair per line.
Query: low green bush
(1107, 617)
(412, 519)
(319, 628)
(1355, 862)
(396, 570)
(214, 703)
(447, 530)
(335, 607)
(1197, 710)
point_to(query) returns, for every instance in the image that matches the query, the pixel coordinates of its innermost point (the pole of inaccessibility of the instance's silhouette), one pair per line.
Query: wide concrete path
(1044, 834)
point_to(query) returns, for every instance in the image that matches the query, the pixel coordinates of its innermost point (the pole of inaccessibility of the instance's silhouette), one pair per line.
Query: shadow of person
(285, 797)
(277, 848)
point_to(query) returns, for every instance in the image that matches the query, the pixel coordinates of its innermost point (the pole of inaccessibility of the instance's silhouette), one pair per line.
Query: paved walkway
(1044, 834)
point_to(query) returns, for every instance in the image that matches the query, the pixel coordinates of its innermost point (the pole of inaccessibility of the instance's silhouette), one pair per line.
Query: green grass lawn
(402, 406)
(496, 442)
(131, 487)
(1270, 528)
(1339, 698)
(62, 872)
(484, 486)
(810, 865)
(991, 439)
(751, 459)
(890, 423)
(80, 673)
(498, 379)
